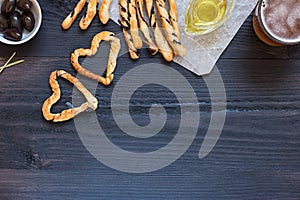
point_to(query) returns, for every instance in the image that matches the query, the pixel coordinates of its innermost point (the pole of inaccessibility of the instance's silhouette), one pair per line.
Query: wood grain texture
(257, 156)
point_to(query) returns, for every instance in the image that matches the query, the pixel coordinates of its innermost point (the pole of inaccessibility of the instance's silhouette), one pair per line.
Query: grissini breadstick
(112, 60)
(89, 16)
(134, 29)
(149, 7)
(160, 40)
(104, 11)
(65, 115)
(171, 35)
(131, 48)
(124, 22)
(174, 17)
(68, 21)
(144, 27)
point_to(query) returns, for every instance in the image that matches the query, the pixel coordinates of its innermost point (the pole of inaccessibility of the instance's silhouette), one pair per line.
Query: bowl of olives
(20, 20)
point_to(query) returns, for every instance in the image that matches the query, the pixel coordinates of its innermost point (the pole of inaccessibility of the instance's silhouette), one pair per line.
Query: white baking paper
(203, 51)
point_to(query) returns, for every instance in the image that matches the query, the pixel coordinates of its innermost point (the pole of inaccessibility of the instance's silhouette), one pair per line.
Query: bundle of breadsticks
(86, 20)
(138, 28)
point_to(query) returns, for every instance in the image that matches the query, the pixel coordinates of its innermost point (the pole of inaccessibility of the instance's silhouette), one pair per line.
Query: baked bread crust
(112, 59)
(91, 103)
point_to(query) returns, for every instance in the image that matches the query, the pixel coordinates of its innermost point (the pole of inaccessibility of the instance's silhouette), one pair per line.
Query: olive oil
(203, 15)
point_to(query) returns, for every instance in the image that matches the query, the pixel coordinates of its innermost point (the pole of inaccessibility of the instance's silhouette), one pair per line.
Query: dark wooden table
(256, 157)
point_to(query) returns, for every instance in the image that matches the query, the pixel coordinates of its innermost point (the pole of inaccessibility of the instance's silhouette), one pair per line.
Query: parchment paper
(203, 51)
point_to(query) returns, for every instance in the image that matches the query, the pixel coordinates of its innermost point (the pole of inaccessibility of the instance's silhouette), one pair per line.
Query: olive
(15, 20)
(28, 21)
(3, 22)
(12, 34)
(24, 5)
(8, 6)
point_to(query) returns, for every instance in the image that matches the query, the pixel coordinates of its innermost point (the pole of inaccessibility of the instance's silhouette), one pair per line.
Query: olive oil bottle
(203, 15)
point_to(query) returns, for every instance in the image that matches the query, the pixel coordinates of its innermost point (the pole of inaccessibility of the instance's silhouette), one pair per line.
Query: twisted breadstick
(65, 115)
(89, 16)
(161, 42)
(171, 35)
(144, 27)
(104, 11)
(68, 21)
(134, 29)
(149, 7)
(124, 22)
(112, 60)
(174, 17)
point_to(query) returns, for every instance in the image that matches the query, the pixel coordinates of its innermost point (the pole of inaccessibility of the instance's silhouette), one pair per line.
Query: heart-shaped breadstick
(65, 115)
(112, 59)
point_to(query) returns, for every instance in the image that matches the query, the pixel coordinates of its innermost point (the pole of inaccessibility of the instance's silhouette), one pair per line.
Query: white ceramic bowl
(36, 11)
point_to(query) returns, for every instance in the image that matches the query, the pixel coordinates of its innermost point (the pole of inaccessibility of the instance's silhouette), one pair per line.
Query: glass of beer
(204, 16)
(277, 22)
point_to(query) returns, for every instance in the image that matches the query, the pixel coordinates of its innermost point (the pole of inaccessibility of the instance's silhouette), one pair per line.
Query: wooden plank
(249, 90)
(254, 158)
(255, 84)
(212, 182)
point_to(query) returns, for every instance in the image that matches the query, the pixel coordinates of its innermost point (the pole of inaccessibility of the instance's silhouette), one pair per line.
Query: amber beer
(277, 22)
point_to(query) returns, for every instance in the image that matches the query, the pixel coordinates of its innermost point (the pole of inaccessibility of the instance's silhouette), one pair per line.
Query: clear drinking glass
(276, 22)
(204, 16)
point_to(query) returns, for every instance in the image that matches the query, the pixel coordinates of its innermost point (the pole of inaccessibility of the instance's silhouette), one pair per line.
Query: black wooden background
(257, 156)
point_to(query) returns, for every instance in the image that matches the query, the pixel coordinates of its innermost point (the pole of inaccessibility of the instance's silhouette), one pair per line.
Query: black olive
(15, 20)
(28, 21)
(3, 22)
(7, 7)
(24, 5)
(12, 34)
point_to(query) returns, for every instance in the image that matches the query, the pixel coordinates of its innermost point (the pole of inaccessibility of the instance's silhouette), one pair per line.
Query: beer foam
(282, 18)
(293, 19)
